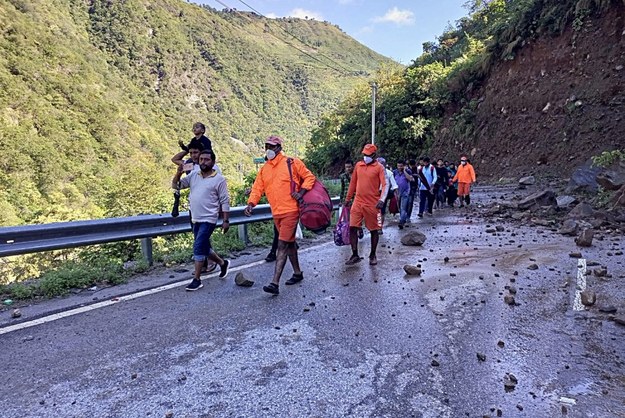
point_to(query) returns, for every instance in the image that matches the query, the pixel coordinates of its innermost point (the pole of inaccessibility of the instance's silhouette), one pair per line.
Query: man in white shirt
(427, 179)
(209, 195)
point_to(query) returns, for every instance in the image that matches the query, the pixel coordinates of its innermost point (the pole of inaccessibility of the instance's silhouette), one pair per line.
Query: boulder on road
(584, 239)
(414, 238)
(542, 198)
(527, 181)
(582, 210)
(241, 280)
(412, 270)
(569, 227)
(584, 179)
(565, 201)
(589, 297)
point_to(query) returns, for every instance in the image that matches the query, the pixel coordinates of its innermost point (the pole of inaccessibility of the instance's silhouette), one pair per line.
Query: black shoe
(401, 226)
(272, 288)
(420, 215)
(194, 285)
(296, 278)
(224, 269)
(270, 257)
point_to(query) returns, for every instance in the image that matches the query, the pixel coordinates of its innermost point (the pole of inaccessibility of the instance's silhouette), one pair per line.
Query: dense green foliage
(411, 102)
(94, 96)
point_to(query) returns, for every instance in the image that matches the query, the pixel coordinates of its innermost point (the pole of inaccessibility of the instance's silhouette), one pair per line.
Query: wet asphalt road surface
(360, 341)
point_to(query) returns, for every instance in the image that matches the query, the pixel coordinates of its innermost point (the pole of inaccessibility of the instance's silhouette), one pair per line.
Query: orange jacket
(273, 180)
(368, 181)
(465, 174)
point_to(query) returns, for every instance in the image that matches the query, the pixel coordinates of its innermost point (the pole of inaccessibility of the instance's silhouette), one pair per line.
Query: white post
(374, 88)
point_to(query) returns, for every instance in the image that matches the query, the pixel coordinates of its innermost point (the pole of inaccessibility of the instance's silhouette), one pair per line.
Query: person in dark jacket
(441, 185)
(452, 191)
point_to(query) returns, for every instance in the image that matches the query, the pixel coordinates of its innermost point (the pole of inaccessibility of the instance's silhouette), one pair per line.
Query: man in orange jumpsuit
(368, 182)
(274, 181)
(464, 176)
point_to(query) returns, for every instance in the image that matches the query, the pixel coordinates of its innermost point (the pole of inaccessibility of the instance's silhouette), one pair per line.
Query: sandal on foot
(353, 260)
(296, 278)
(272, 288)
(373, 261)
(209, 268)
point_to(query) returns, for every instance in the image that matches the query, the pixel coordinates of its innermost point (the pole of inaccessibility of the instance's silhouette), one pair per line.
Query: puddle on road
(580, 285)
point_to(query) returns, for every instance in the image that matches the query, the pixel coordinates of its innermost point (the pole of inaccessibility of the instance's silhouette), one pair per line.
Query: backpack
(315, 207)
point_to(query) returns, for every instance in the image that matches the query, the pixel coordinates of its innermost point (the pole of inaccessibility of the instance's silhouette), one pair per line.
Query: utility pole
(374, 89)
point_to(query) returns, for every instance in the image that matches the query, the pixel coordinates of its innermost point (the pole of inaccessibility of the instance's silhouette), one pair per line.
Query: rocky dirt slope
(548, 110)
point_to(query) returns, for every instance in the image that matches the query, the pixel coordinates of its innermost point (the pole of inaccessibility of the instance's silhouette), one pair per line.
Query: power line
(295, 37)
(344, 71)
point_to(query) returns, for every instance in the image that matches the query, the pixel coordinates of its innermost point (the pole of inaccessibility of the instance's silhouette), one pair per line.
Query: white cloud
(394, 15)
(346, 1)
(305, 14)
(271, 15)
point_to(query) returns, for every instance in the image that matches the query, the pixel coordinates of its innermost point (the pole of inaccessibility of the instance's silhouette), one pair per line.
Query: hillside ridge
(95, 96)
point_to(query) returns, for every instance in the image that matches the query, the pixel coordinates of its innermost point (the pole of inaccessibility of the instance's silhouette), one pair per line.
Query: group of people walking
(367, 187)
(437, 186)
(209, 200)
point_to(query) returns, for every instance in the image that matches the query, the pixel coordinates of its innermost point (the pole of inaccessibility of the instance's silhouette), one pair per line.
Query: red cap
(273, 140)
(369, 149)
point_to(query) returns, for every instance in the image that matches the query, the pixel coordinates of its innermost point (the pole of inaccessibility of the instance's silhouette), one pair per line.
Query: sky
(396, 28)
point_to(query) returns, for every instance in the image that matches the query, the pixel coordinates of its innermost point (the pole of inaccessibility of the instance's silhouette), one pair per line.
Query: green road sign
(259, 160)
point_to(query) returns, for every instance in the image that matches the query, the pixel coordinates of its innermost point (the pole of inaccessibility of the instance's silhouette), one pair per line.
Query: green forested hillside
(440, 102)
(95, 95)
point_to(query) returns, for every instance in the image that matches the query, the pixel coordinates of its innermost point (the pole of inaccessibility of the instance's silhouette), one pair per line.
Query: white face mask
(270, 154)
(463, 162)
(368, 160)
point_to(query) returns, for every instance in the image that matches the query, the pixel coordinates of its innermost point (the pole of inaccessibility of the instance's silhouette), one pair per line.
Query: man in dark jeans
(208, 198)
(414, 187)
(427, 178)
(441, 183)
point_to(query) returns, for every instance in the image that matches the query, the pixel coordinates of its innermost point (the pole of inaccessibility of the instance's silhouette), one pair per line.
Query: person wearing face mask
(464, 176)
(274, 181)
(368, 184)
(208, 197)
(191, 164)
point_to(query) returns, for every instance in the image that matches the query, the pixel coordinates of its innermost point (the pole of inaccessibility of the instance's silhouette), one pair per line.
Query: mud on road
(492, 327)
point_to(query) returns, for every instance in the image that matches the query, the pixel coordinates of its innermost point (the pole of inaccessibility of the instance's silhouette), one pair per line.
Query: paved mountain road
(355, 341)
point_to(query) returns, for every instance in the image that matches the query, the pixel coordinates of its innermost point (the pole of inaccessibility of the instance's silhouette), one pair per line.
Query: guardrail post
(146, 250)
(243, 234)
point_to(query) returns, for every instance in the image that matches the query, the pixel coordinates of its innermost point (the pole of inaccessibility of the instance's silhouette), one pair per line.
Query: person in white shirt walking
(427, 179)
(208, 194)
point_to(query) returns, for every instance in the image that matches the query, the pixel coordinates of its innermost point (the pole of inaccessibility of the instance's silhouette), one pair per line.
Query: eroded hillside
(551, 107)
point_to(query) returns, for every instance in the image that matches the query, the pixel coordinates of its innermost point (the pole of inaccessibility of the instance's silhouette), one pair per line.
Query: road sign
(259, 160)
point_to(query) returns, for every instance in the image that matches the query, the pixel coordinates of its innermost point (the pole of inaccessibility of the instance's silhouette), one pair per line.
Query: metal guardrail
(28, 239)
